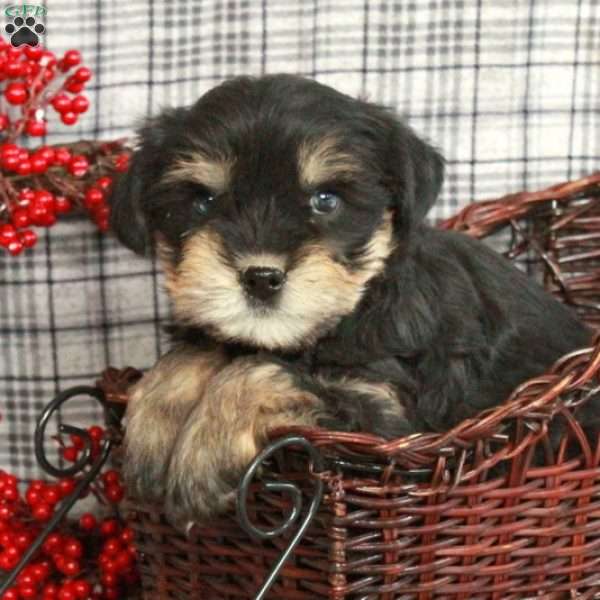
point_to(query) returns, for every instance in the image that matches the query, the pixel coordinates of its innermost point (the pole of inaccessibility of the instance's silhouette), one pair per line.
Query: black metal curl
(79, 466)
(286, 487)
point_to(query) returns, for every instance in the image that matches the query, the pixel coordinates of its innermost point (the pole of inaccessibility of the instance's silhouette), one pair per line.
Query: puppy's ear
(424, 175)
(156, 138)
(414, 170)
(127, 219)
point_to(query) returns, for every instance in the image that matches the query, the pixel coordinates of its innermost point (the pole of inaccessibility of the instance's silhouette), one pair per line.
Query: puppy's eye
(203, 203)
(324, 203)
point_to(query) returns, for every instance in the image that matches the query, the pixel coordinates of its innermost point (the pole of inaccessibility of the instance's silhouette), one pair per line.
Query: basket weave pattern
(450, 516)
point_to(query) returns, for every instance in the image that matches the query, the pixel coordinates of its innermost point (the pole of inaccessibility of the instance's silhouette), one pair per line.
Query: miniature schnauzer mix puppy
(306, 289)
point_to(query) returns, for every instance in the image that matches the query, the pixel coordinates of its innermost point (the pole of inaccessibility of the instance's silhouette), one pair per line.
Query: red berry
(40, 572)
(11, 494)
(24, 167)
(68, 118)
(73, 548)
(9, 149)
(28, 238)
(38, 164)
(66, 486)
(4, 121)
(104, 183)
(10, 162)
(22, 540)
(52, 495)
(71, 58)
(37, 213)
(87, 522)
(123, 560)
(74, 86)
(80, 104)
(78, 165)
(7, 234)
(63, 205)
(20, 218)
(109, 527)
(6, 512)
(82, 75)
(36, 128)
(15, 93)
(111, 477)
(15, 248)
(96, 432)
(52, 543)
(71, 567)
(77, 441)
(46, 152)
(28, 592)
(34, 52)
(42, 512)
(114, 493)
(82, 588)
(66, 593)
(11, 593)
(61, 103)
(70, 453)
(62, 156)
(127, 535)
(44, 198)
(14, 69)
(93, 197)
(111, 546)
(32, 497)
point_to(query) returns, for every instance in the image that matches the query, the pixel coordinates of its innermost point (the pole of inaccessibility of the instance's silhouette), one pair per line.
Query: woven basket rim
(539, 399)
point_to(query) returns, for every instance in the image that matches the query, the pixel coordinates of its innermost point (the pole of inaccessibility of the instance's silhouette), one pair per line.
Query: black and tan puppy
(306, 289)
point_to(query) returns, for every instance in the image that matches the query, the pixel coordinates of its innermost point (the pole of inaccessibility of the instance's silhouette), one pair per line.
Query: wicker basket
(453, 516)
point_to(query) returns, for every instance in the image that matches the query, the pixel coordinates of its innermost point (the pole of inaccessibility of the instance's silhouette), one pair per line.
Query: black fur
(452, 325)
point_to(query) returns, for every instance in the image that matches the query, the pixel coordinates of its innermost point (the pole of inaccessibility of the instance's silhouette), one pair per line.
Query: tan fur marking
(261, 259)
(213, 173)
(227, 429)
(158, 405)
(320, 161)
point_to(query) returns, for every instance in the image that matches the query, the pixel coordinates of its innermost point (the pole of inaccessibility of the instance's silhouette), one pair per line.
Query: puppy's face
(272, 203)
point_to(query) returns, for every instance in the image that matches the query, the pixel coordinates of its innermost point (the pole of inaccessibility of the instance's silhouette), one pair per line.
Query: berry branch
(37, 185)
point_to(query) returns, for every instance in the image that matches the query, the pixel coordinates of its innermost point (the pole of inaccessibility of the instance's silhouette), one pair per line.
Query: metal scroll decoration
(288, 488)
(89, 467)
(79, 467)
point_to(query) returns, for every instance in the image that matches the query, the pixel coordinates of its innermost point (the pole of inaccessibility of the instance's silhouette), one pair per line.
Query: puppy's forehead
(260, 129)
(315, 159)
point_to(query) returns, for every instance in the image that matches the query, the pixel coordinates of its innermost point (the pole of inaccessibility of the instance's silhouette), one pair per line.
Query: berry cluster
(87, 559)
(37, 185)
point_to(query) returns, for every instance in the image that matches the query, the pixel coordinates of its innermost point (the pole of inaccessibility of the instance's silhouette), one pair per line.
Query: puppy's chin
(319, 291)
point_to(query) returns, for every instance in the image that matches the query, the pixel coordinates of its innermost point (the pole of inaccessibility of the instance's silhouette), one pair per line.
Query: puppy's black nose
(262, 282)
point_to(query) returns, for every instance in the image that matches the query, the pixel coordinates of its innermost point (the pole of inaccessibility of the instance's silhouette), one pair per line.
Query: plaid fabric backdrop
(508, 90)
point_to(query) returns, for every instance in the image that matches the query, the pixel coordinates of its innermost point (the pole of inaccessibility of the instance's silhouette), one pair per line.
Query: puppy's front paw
(157, 409)
(226, 431)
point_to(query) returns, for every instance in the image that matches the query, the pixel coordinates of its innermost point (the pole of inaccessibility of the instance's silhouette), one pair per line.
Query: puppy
(306, 289)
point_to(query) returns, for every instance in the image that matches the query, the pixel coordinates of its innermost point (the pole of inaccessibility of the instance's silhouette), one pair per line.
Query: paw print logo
(24, 31)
